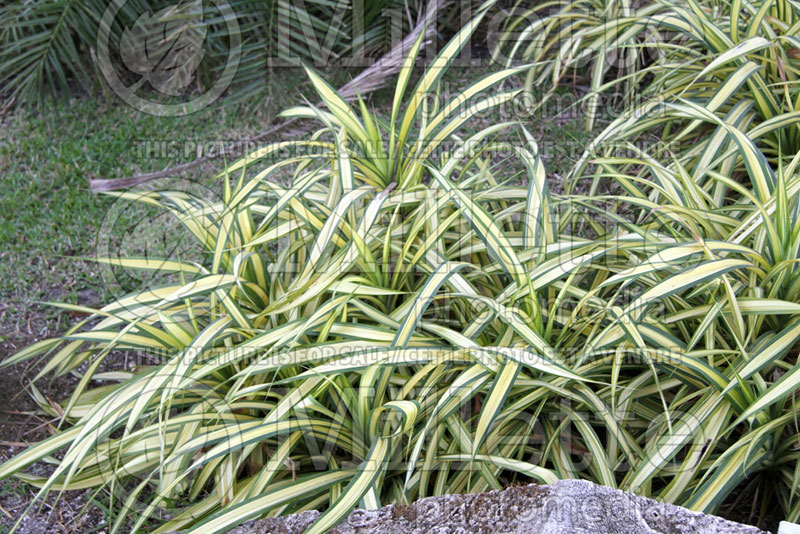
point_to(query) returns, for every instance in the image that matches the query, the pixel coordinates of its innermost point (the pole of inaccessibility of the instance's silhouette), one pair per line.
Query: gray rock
(566, 507)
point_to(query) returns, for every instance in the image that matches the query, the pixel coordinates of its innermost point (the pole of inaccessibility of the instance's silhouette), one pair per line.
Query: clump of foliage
(400, 318)
(722, 254)
(331, 336)
(738, 60)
